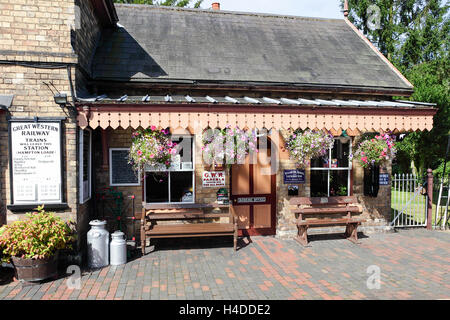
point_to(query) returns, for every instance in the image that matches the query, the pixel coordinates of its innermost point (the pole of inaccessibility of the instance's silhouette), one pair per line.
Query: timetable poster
(36, 162)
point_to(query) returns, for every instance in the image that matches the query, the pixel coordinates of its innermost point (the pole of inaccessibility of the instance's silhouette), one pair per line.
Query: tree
(414, 36)
(171, 3)
(407, 32)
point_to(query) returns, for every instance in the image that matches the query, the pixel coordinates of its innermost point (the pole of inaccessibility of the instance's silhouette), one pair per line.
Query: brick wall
(120, 138)
(36, 30)
(59, 34)
(375, 210)
(33, 99)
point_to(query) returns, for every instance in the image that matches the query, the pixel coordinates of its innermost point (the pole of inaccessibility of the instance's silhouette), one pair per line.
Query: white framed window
(121, 173)
(176, 184)
(331, 174)
(85, 163)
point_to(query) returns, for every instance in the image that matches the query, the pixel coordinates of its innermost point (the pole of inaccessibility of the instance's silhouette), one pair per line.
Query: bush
(37, 237)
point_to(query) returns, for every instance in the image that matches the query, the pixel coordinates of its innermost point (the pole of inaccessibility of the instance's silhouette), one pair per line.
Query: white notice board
(36, 162)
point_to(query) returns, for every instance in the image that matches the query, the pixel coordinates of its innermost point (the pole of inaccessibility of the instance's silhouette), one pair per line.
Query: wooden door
(253, 194)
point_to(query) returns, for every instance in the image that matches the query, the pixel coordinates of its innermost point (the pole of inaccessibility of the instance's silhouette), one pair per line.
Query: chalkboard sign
(295, 176)
(121, 173)
(384, 179)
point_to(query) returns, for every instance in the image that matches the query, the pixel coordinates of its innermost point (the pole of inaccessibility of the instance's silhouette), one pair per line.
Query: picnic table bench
(317, 211)
(152, 214)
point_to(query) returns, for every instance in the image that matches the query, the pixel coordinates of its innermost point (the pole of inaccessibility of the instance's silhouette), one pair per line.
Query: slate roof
(173, 44)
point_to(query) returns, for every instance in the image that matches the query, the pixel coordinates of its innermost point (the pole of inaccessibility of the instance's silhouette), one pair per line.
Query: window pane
(186, 147)
(338, 183)
(86, 154)
(321, 162)
(181, 189)
(319, 183)
(157, 187)
(339, 154)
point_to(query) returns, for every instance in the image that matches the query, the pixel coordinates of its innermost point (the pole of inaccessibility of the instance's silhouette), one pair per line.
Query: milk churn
(98, 244)
(118, 248)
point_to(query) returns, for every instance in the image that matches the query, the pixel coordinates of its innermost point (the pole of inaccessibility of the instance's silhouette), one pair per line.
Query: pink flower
(139, 153)
(152, 156)
(153, 128)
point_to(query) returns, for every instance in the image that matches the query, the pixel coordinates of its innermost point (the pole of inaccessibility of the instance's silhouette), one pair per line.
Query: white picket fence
(408, 202)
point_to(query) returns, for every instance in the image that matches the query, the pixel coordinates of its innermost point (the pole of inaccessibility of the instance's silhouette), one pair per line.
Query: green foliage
(170, 3)
(37, 237)
(427, 149)
(375, 151)
(308, 144)
(414, 36)
(410, 31)
(151, 147)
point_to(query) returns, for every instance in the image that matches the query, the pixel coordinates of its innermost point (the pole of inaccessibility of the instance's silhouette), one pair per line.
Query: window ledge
(28, 207)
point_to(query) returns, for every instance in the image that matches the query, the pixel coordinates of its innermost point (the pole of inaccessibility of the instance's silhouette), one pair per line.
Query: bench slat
(352, 209)
(328, 221)
(174, 211)
(182, 216)
(198, 228)
(322, 200)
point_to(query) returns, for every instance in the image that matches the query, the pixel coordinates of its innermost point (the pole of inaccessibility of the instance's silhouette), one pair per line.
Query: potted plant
(227, 146)
(308, 144)
(152, 147)
(32, 244)
(370, 154)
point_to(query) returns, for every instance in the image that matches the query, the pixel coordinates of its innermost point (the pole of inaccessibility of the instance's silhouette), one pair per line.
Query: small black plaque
(122, 173)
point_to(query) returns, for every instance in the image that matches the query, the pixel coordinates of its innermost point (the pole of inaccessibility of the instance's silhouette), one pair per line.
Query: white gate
(441, 212)
(408, 201)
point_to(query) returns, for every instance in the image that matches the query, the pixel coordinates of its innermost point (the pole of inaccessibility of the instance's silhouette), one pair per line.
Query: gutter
(173, 85)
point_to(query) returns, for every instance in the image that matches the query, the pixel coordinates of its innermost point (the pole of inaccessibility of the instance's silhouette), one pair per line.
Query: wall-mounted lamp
(344, 138)
(61, 99)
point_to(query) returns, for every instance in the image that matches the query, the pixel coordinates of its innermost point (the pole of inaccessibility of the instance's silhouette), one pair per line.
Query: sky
(305, 8)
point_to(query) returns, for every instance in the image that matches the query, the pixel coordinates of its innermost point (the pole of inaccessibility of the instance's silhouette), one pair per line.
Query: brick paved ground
(415, 264)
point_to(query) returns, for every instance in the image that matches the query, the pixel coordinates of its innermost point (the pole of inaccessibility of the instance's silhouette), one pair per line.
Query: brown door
(254, 197)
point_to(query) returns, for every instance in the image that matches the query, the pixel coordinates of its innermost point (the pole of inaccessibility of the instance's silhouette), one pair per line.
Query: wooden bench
(317, 211)
(152, 214)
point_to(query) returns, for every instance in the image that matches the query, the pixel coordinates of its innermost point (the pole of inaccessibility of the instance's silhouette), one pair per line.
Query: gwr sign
(213, 179)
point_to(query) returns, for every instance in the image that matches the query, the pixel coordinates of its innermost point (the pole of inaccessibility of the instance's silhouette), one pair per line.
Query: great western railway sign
(36, 161)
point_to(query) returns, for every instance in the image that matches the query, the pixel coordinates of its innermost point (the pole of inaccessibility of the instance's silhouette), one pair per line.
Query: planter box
(35, 269)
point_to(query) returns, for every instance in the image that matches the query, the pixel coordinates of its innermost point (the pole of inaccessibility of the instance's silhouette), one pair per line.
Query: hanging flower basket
(227, 146)
(308, 144)
(370, 154)
(375, 151)
(152, 147)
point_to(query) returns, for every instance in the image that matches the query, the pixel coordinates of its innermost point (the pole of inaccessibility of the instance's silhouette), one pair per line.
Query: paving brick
(413, 264)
